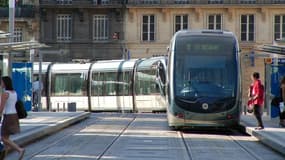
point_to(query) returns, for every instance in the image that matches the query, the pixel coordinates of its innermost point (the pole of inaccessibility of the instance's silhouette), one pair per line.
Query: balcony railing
(234, 2)
(24, 11)
(150, 2)
(81, 2)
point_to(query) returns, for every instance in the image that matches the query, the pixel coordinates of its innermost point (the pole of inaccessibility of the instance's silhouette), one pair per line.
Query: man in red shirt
(257, 96)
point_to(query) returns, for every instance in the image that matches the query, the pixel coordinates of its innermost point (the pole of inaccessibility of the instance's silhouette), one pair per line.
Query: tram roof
(149, 62)
(114, 65)
(36, 66)
(204, 32)
(70, 67)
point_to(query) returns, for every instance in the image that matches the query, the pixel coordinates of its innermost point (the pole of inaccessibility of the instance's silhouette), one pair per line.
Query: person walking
(257, 96)
(10, 122)
(37, 90)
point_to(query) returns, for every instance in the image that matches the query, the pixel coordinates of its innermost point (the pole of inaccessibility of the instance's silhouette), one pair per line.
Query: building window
(63, 27)
(103, 2)
(100, 27)
(247, 1)
(149, 1)
(182, 1)
(247, 27)
(181, 22)
(18, 35)
(64, 1)
(215, 1)
(148, 28)
(279, 1)
(215, 21)
(279, 27)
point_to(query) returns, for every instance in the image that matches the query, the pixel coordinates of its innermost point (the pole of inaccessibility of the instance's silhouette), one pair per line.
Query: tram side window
(124, 84)
(97, 84)
(162, 73)
(127, 83)
(110, 83)
(60, 86)
(68, 85)
(77, 86)
(146, 84)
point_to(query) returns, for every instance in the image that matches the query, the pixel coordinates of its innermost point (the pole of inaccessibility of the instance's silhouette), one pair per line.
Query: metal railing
(151, 2)
(234, 2)
(81, 2)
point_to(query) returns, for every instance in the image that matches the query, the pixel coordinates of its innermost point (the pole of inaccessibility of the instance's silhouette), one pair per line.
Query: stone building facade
(26, 24)
(152, 23)
(85, 29)
(114, 29)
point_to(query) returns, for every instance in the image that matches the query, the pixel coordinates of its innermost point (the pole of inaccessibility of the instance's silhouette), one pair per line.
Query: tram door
(124, 91)
(146, 90)
(96, 91)
(274, 73)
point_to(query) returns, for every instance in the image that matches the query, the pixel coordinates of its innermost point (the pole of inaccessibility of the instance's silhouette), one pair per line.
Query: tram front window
(205, 67)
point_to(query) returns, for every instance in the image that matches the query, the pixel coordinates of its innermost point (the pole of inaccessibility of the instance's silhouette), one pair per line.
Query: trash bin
(71, 107)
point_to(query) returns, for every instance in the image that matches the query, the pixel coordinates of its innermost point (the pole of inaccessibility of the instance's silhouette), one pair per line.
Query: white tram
(135, 85)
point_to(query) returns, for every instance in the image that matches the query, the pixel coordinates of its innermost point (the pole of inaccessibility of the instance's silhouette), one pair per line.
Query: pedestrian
(257, 96)
(281, 104)
(10, 122)
(37, 89)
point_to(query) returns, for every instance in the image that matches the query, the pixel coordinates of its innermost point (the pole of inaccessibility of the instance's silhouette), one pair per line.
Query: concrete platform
(272, 135)
(40, 124)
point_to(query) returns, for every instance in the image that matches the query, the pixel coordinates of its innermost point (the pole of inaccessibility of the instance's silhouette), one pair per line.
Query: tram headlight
(229, 116)
(180, 115)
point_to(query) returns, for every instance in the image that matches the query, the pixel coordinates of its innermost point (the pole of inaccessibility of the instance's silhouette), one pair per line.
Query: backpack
(21, 110)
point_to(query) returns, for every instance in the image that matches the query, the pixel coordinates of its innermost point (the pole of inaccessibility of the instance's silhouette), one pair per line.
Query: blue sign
(22, 82)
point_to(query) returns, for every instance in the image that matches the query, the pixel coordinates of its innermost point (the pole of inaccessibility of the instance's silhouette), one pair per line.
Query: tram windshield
(205, 67)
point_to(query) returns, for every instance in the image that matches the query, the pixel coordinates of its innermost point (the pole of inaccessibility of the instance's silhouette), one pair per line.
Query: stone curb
(266, 138)
(28, 137)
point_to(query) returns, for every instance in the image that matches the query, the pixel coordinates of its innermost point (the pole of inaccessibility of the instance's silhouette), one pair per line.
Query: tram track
(71, 131)
(221, 144)
(187, 147)
(245, 148)
(76, 129)
(115, 139)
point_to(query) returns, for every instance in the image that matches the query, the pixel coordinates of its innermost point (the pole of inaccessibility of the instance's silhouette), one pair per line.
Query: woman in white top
(10, 123)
